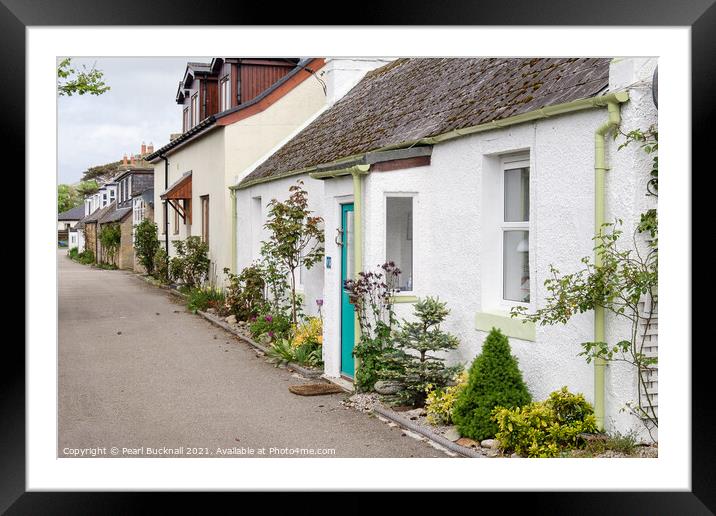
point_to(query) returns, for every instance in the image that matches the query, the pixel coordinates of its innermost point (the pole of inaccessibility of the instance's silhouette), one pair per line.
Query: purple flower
(268, 318)
(270, 334)
(319, 302)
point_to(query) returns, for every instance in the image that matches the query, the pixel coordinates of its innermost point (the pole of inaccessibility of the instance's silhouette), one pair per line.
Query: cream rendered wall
(251, 138)
(204, 157)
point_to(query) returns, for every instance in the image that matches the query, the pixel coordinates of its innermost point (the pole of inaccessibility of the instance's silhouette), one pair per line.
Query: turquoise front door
(347, 309)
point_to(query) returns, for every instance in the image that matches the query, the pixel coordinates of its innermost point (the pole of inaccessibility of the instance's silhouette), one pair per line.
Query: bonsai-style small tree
(412, 363)
(494, 381)
(295, 237)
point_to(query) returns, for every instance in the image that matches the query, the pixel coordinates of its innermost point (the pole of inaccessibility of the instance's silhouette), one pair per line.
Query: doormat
(315, 389)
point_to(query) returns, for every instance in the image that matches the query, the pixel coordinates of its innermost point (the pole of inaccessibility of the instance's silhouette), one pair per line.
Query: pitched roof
(410, 99)
(115, 215)
(76, 213)
(97, 214)
(210, 121)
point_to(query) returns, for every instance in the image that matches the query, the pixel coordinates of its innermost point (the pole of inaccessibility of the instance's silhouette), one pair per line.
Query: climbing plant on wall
(625, 284)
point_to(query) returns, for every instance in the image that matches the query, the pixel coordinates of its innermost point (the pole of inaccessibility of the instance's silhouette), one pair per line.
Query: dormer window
(225, 93)
(194, 109)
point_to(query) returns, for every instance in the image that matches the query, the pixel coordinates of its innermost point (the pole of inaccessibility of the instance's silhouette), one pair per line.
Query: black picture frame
(16, 15)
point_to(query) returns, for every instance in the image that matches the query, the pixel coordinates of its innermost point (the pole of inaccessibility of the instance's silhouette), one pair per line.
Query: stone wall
(125, 255)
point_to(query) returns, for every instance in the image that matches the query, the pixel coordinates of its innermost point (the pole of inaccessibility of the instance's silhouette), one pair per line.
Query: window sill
(404, 299)
(515, 327)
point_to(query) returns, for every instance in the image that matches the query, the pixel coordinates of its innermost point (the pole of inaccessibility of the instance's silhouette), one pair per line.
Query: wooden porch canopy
(178, 196)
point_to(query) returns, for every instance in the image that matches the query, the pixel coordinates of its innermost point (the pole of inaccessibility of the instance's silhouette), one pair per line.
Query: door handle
(339, 237)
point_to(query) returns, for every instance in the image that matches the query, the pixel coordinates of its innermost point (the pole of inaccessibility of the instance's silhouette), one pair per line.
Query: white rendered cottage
(474, 176)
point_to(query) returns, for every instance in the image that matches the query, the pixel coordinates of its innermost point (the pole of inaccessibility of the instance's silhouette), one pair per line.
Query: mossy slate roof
(409, 99)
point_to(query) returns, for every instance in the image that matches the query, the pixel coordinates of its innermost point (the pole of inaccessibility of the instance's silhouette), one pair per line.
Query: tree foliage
(79, 81)
(110, 236)
(295, 238)
(414, 363)
(100, 172)
(625, 283)
(146, 244)
(191, 263)
(494, 380)
(67, 198)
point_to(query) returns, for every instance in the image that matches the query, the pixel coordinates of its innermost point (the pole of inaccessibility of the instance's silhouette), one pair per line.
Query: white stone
(452, 434)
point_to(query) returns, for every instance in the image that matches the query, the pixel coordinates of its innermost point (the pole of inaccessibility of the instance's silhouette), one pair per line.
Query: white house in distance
(235, 110)
(66, 222)
(474, 176)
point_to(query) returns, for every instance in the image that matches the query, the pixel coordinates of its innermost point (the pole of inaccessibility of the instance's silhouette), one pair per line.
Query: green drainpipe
(357, 171)
(232, 266)
(600, 168)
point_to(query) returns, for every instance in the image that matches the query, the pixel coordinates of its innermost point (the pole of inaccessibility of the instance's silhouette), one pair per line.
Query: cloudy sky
(140, 107)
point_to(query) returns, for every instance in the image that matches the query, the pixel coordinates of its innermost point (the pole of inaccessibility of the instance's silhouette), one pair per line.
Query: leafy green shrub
(545, 428)
(272, 327)
(308, 355)
(86, 257)
(280, 352)
(161, 266)
(441, 402)
(146, 244)
(370, 293)
(495, 380)
(244, 295)
(107, 266)
(412, 363)
(73, 253)
(191, 264)
(110, 236)
(201, 298)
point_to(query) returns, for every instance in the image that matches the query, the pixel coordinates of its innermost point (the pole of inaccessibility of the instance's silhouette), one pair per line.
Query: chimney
(144, 149)
(124, 159)
(150, 148)
(131, 160)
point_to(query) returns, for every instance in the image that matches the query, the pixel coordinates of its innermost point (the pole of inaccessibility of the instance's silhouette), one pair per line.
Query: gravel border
(436, 438)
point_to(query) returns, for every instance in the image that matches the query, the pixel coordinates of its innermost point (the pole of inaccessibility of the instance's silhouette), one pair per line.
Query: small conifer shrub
(495, 380)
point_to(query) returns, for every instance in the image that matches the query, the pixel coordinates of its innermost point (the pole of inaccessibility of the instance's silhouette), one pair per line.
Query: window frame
(194, 109)
(514, 162)
(414, 231)
(176, 222)
(205, 218)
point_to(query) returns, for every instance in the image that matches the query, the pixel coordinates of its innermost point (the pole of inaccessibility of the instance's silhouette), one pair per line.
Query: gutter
(600, 169)
(546, 112)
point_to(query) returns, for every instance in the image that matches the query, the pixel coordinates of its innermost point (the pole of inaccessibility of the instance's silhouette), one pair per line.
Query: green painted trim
(404, 299)
(600, 169)
(545, 112)
(357, 173)
(515, 327)
(232, 266)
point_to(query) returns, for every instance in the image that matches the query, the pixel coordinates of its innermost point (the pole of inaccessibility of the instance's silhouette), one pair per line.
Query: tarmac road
(141, 374)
